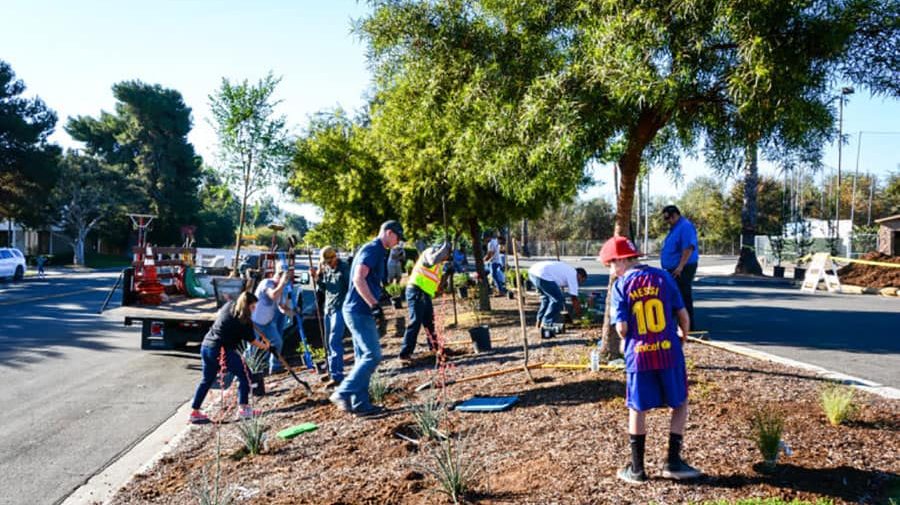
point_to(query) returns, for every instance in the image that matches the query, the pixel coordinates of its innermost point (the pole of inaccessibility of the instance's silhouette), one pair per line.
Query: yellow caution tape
(868, 262)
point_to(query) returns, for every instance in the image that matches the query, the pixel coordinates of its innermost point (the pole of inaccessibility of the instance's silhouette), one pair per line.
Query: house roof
(887, 219)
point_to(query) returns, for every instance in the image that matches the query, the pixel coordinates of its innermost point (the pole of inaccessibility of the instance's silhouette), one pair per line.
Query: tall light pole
(847, 90)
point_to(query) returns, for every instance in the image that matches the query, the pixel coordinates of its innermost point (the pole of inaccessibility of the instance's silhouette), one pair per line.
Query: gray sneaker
(680, 471)
(630, 476)
(340, 402)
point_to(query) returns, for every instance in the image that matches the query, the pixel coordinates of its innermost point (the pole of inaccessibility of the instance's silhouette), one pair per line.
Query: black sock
(674, 448)
(637, 452)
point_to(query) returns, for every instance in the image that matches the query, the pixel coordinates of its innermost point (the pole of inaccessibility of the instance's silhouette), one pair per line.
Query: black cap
(393, 226)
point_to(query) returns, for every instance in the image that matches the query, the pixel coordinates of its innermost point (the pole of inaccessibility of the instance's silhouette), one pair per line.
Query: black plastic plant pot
(397, 301)
(481, 338)
(511, 294)
(799, 273)
(463, 292)
(529, 285)
(778, 272)
(258, 384)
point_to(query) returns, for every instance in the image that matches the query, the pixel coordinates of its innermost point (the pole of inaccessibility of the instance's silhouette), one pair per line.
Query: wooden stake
(520, 302)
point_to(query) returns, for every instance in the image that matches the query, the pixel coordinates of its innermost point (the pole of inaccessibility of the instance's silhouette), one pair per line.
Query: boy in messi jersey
(648, 310)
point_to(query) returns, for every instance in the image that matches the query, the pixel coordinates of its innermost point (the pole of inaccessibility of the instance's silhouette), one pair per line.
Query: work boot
(368, 411)
(630, 476)
(340, 402)
(679, 470)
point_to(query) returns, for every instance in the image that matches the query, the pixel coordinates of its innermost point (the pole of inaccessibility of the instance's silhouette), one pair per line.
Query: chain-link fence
(591, 248)
(862, 244)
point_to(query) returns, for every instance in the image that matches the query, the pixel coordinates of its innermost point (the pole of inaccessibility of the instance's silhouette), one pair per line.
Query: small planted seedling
(252, 433)
(837, 402)
(427, 417)
(379, 387)
(455, 470)
(766, 429)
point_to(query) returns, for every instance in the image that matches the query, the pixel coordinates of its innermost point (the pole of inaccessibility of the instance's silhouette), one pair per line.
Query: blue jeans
(499, 278)
(334, 328)
(273, 332)
(552, 301)
(367, 349)
(209, 356)
(421, 312)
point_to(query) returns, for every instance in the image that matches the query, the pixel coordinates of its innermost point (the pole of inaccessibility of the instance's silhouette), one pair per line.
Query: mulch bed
(562, 443)
(872, 276)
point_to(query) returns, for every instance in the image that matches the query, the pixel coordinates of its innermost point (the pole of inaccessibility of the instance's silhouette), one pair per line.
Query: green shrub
(428, 415)
(256, 359)
(837, 402)
(766, 429)
(252, 433)
(379, 387)
(453, 468)
(460, 280)
(394, 290)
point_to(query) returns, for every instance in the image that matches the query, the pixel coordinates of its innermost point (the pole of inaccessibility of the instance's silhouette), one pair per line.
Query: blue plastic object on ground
(487, 404)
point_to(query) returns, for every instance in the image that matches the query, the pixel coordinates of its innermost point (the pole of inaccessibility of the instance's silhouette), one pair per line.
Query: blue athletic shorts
(656, 388)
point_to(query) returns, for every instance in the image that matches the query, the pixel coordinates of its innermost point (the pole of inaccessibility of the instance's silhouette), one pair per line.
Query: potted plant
(481, 333)
(461, 281)
(803, 243)
(395, 291)
(526, 281)
(777, 244)
(257, 362)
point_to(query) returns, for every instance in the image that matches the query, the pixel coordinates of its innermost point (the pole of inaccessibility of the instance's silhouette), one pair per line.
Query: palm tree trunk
(747, 261)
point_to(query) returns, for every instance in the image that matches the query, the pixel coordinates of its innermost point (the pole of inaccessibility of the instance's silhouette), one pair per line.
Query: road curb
(856, 382)
(102, 486)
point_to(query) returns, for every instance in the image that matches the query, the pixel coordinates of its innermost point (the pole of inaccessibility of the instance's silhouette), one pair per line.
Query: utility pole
(837, 200)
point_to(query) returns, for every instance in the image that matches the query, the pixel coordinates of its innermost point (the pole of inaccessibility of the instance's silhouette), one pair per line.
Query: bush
(454, 469)
(837, 403)
(766, 428)
(256, 359)
(252, 433)
(428, 416)
(394, 290)
(379, 387)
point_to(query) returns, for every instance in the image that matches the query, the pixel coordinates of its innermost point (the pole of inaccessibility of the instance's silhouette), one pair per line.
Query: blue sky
(70, 53)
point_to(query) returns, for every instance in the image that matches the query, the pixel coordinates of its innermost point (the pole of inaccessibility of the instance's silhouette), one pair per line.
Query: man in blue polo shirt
(679, 255)
(360, 311)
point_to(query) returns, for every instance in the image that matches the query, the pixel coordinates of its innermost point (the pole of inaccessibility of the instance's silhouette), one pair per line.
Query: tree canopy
(28, 161)
(146, 140)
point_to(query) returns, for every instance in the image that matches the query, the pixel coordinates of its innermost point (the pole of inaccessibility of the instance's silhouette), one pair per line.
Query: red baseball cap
(618, 248)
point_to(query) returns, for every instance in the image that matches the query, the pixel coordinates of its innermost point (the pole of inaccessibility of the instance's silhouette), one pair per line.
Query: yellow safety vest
(427, 279)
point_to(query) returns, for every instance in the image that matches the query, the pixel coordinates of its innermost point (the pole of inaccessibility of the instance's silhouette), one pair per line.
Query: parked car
(12, 263)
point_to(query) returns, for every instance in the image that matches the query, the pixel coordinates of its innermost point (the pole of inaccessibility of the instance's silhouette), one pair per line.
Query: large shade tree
(145, 138)
(28, 161)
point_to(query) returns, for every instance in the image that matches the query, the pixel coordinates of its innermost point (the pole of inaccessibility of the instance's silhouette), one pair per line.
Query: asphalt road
(853, 334)
(75, 387)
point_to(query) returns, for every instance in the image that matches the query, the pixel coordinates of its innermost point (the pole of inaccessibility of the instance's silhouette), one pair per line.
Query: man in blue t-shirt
(648, 312)
(680, 254)
(360, 311)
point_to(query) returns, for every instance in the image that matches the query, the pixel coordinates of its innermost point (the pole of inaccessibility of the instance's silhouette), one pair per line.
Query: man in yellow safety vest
(420, 289)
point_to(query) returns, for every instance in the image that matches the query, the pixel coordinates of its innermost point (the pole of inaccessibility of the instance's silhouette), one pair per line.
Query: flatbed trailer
(170, 325)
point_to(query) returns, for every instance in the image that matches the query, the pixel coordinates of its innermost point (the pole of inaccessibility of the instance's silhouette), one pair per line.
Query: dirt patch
(872, 276)
(562, 443)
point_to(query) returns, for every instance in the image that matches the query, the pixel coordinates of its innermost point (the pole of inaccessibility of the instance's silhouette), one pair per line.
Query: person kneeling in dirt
(269, 315)
(422, 286)
(334, 280)
(231, 327)
(549, 277)
(645, 305)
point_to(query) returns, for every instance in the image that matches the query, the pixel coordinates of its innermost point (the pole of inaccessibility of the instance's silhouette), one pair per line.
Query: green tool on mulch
(293, 431)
